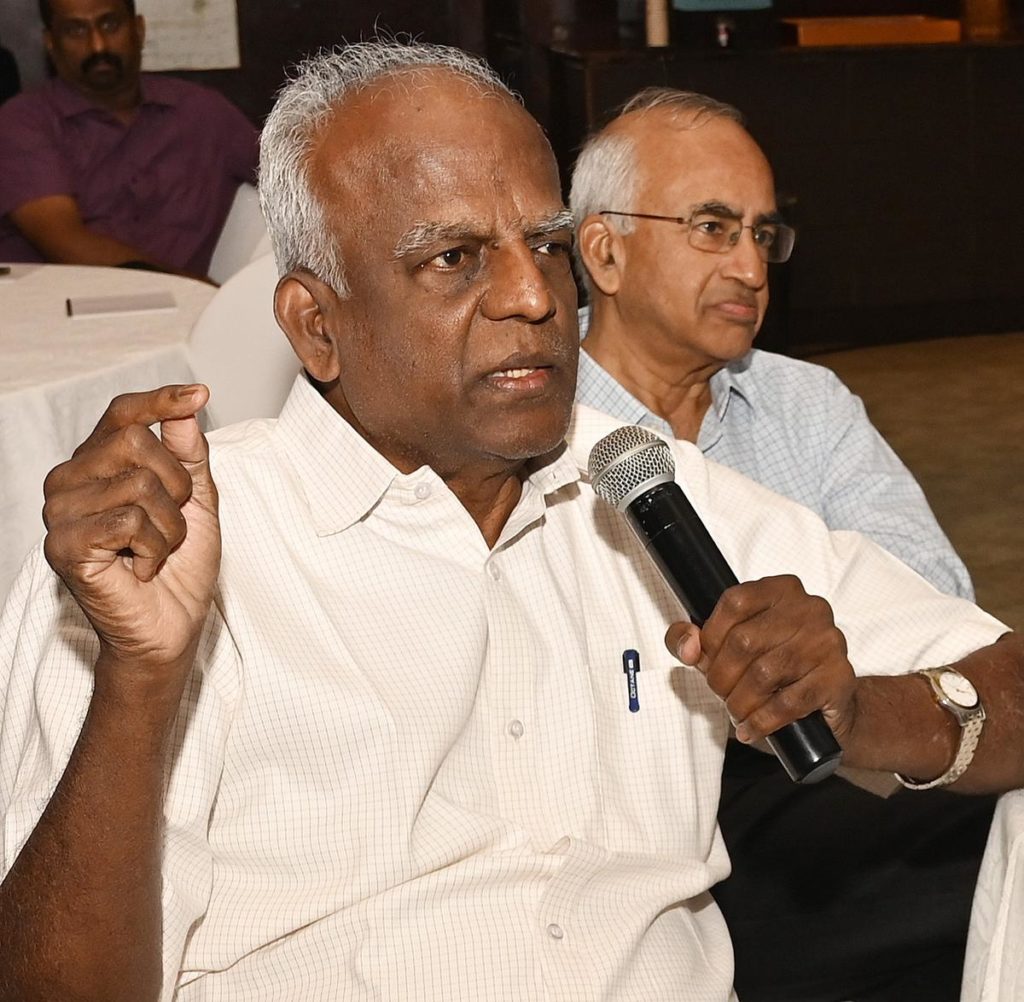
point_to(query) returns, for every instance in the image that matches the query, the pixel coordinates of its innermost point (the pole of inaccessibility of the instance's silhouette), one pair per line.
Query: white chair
(243, 237)
(238, 350)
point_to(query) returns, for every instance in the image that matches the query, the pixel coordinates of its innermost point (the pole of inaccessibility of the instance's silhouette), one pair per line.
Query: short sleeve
(32, 164)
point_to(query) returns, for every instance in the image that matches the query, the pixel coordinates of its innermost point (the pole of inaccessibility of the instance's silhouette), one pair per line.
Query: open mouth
(521, 379)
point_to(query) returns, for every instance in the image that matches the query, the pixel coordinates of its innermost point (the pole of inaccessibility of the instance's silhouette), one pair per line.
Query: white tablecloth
(58, 373)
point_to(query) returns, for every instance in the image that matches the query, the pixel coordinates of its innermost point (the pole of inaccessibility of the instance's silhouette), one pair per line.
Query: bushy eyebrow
(553, 224)
(423, 235)
(728, 212)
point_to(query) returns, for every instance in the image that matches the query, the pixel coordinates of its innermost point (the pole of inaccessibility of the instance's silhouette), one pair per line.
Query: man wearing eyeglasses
(105, 165)
(677, 225)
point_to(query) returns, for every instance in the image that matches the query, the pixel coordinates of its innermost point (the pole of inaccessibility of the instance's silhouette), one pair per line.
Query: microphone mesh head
(627, 462)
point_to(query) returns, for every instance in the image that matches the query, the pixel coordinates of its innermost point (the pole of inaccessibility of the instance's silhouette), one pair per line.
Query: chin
(524, 438)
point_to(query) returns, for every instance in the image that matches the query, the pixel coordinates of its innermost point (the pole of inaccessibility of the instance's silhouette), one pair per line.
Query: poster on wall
(190, 34)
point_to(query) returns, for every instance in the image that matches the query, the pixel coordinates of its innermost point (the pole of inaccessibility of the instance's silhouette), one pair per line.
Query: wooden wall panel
(276, 33)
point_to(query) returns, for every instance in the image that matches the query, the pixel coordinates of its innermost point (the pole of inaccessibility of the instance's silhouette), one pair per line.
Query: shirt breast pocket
(660, 743)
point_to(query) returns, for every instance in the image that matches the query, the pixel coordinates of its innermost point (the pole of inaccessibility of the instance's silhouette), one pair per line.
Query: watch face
(958, 689)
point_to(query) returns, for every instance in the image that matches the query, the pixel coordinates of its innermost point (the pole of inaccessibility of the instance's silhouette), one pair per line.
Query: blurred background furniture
(243, 237)
(238, 350)
(59, 372)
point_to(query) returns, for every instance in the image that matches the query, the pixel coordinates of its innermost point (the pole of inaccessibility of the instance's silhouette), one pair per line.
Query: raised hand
(133, 530)
(774, 654)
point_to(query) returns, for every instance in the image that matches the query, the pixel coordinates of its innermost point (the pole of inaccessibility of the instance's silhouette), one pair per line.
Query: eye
(74, 29)
(555, 248)
(765, 236)
(111, 24)
(449, 259)
(709, 226)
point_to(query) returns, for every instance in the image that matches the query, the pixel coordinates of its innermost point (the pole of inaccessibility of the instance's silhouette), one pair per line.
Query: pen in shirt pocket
(631, 665)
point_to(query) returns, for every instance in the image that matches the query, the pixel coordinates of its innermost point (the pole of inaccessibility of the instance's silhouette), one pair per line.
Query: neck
(489, 498)
(667, 379)
(123, 104)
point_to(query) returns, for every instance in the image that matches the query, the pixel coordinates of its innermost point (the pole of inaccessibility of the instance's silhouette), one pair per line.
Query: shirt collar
(344, 477)
(69, 103)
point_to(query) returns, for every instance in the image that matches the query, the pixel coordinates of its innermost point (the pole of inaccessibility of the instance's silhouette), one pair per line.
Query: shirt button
(422, 491)
(516, 729)
(495, 572)
(555, 931)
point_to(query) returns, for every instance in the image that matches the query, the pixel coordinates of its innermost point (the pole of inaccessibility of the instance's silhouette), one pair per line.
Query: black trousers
(837, 894)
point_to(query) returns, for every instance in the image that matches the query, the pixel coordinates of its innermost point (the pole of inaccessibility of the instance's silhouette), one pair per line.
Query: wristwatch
(955, 693)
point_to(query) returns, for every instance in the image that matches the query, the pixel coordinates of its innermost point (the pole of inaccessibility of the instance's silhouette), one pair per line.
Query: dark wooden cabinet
(901, 167)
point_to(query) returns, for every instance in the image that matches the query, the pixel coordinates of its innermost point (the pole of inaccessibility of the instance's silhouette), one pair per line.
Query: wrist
(143, 687)
(958, 699)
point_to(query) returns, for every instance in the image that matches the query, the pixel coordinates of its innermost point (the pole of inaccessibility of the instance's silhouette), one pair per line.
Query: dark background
(899, 165)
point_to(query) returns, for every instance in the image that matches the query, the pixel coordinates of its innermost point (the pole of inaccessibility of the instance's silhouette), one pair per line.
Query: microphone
(633, 470)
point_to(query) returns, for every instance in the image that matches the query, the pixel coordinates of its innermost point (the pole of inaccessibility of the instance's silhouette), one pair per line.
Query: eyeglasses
(716, 234)
(76, 29)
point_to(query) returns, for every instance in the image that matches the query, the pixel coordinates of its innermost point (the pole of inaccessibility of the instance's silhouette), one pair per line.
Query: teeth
(514, 373)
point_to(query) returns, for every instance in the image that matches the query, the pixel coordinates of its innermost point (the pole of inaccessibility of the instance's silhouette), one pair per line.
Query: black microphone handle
(692, 565)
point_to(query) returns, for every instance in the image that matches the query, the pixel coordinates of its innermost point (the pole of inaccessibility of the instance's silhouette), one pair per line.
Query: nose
(744, 262)
(517, 287)
(97, 38)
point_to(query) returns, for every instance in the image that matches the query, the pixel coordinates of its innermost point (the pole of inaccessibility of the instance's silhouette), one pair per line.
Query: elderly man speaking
(336, 708)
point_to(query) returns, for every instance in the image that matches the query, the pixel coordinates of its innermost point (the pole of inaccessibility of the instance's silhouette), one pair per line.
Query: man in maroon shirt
(106, 165)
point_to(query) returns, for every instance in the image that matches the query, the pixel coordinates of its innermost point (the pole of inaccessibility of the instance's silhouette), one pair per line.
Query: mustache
(100, 59)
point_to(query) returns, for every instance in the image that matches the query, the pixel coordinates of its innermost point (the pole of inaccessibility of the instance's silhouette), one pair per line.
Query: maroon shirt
(163, 184)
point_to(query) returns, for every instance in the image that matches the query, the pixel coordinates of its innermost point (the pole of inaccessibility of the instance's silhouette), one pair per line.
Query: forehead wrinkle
(716, 208)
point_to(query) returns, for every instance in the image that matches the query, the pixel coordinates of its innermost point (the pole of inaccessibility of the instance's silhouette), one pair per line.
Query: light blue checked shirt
(797, 429)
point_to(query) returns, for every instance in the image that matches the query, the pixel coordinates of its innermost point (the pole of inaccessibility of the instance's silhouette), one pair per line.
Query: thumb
(184, 439)
(683, 640)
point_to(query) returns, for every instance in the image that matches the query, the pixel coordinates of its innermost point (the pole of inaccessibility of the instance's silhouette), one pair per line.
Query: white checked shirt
(406, 767)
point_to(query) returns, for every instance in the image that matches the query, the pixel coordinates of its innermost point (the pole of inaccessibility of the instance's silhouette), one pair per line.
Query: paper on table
(133, 302)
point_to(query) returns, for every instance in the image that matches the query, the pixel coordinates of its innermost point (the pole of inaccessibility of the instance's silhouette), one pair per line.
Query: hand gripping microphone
(633, 470)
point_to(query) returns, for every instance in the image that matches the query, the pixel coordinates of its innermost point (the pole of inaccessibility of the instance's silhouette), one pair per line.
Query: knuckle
(792, 700)
(121, 409)
(740, 641)
(122, 522)
(763, 674)
(55, 480)
(733, 600)
(134, 437)
(51, 513)
(819, 608)
(144, 482)
(54, 549)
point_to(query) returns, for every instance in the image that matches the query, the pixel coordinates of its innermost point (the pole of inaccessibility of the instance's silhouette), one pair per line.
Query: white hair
(605, 173)
(317, 86)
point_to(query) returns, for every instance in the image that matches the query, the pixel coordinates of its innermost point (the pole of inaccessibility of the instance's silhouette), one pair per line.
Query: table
(58, 372)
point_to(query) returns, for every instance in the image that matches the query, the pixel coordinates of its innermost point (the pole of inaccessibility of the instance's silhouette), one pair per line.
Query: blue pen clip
(631, 665)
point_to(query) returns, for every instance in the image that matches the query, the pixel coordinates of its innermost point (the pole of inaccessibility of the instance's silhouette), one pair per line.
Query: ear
(602, 251)
(140, 30)
(301, 305)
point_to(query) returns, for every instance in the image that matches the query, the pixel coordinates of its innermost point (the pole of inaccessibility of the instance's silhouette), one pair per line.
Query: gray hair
(295, 217)
(605, 173)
